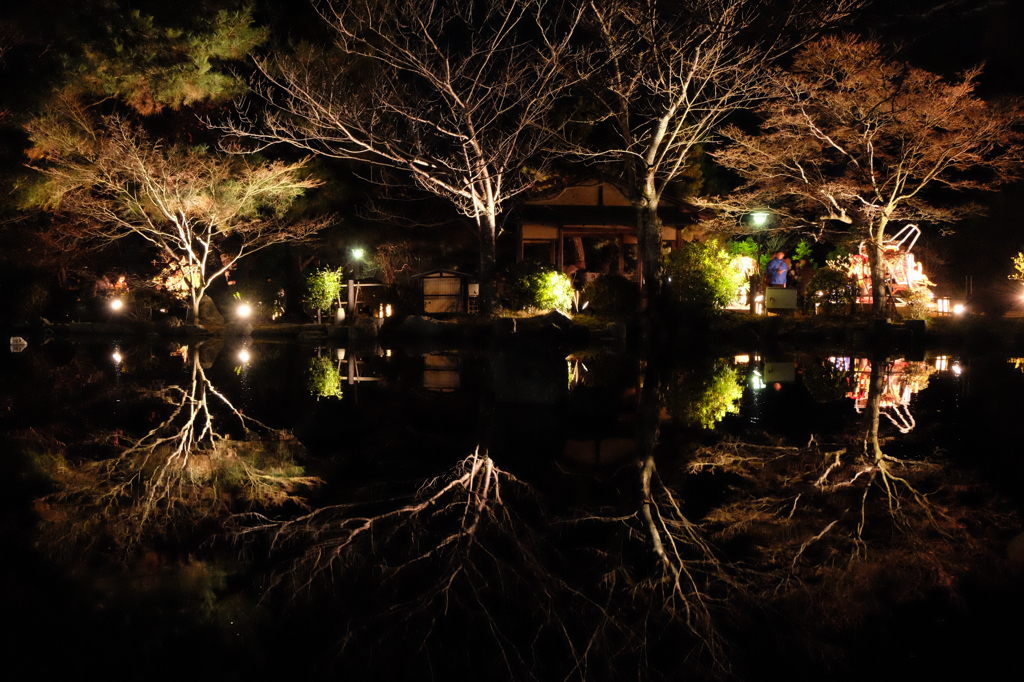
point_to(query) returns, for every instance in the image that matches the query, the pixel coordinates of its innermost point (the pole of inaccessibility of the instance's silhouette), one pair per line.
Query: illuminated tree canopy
(204, 211)
(854, 137)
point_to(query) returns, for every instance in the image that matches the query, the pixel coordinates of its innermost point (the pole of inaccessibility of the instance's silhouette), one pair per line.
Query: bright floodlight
(759, 217)
(244, 310)
(358, 253)
(117, 304)
(117, 358)
(243, 355)
(959, 309)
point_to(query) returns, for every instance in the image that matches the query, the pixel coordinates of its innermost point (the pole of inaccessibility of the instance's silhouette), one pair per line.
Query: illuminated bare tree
(454, 93)
(852, 136)
(671, 73)
(204, 211)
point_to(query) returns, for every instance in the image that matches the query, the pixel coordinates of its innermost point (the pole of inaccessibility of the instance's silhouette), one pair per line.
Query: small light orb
(244, 310)
(117, 358)
(959, 309)
(243, 355)
(957, 369)
(116, 304)
(358, 253)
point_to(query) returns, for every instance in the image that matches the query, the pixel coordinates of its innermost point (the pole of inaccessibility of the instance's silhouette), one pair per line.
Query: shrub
(917, 301)
(535, 285)
(830, 292)
(323, 288)
(701, 278)
(612, 295)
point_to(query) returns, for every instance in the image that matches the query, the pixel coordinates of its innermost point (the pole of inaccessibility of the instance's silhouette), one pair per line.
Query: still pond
(240, 509)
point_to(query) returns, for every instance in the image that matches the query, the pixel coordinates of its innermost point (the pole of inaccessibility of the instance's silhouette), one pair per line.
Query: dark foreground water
(244, 510)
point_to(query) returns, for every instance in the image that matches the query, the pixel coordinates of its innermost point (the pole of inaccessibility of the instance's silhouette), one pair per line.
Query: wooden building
(447, 291)
(553, 228)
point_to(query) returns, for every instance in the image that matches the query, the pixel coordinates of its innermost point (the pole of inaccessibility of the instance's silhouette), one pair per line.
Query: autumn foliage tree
(856, 137)
(666, 76)
(203, 211)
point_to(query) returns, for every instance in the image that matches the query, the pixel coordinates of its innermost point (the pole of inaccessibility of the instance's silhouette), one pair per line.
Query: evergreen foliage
(701, 278)
(149, 66)
(532, 285)
(323, 288)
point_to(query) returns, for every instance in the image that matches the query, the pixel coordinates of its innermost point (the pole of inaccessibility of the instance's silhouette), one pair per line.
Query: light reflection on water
(373, 422)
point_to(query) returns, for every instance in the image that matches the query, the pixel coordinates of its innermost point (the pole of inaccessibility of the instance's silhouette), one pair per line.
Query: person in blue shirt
(777, 269)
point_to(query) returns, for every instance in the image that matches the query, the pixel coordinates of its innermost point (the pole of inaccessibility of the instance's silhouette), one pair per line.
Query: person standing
(777, 270)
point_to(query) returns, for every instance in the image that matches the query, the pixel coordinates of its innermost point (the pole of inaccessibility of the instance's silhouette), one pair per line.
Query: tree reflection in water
(181, 474)
(571, 570)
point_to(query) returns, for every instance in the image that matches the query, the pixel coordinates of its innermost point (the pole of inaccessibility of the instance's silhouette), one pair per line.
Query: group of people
(782, 273)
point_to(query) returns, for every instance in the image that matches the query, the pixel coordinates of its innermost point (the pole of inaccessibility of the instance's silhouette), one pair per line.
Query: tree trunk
(876, 260)
(488, 292)
(649, 250)
(878, 364)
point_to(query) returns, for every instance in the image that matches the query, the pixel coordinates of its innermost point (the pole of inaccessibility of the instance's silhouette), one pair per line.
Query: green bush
(323, 288)
(612, 295)
(538, 286)
(830, 292)
(701, 278)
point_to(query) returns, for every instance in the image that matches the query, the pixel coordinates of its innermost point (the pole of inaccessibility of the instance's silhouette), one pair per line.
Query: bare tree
(671, 73)
(204, 211)
(855, 137)
(455, 93)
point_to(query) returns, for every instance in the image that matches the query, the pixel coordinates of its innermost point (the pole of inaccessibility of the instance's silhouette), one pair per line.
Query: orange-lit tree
(204, 211)
(853, 136)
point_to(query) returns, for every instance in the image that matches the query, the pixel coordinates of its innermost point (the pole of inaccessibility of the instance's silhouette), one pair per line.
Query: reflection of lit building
(441, 372)
(901, 381)
(841, 364)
